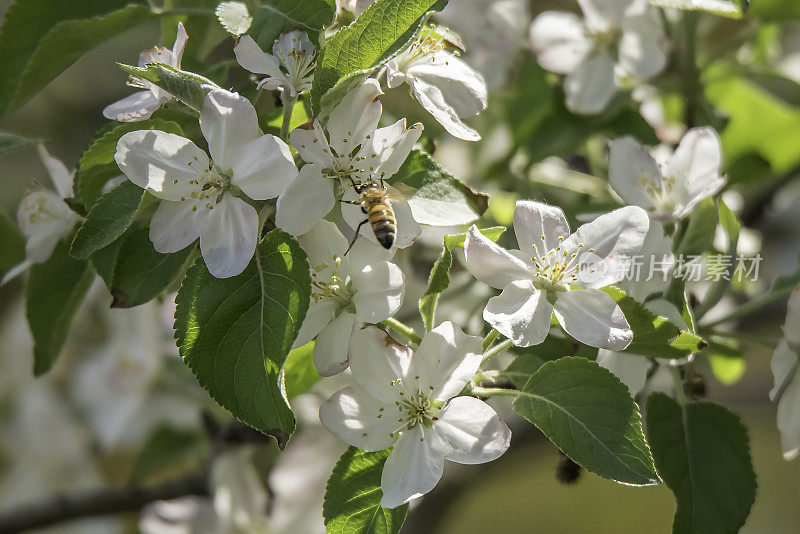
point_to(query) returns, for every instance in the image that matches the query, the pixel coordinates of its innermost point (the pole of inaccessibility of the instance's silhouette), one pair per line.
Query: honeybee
(377, 206)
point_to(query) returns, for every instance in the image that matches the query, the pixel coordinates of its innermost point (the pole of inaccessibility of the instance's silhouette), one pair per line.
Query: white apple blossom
(292, 50)
(347, 291)
(555, 271)
(668, 190)
(787, 379)
(446, 86)
(617, 41)
(43, 216)
(201, 197)
(140, 105)
(355, 151)
(356, 7)
(409, 400)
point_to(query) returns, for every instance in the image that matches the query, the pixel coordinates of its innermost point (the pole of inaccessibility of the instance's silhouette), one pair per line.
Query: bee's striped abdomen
(381, 218)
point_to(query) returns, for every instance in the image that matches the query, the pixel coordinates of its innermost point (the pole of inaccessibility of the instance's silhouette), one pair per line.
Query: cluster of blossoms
(422, 397)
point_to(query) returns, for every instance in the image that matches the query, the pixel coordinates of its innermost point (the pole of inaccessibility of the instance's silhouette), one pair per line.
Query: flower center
(327, 283)
(556, 268)
(661, 192)
(431, 40)
(606, 40)
(205, 188)
(415, 409)
(297, 61)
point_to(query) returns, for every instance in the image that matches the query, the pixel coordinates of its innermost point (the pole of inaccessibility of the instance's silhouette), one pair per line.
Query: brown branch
(97, 502)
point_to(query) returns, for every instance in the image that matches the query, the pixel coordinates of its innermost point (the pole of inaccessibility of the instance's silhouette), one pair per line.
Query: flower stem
(402, 329)
(497, 349)
(680, 393)
(493, 392)
(490, 338)
(288, 101)
(752, 306)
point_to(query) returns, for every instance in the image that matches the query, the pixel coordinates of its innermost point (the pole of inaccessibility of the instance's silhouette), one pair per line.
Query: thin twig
(97, 502)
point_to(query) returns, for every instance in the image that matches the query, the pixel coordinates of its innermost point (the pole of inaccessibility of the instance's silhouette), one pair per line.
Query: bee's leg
(354, 202)
(358, 230)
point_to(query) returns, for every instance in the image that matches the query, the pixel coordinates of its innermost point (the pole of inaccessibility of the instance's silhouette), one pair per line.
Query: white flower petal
(651, 271)
(629, 165)
(394, 76)
(386, 150)
(355, 417)
(263, 168)
(153, 159)
(695, 166)
(463, 87)
(322, 243)
(789, 420)
(492, 264)
(642, 48)
(631, 369)
(309, 140)
(179, 45)
(472, 431)
(318, 316)
(432, 99)
(330, 350)
(538, 226)
(229, 238)
(228, 121)
(306, 200)
(136, 107)
(784, 367)
(376, 361)
(607, 244)
(521, 313)
(559, 40)
(445, 361)
(593, 318)
(413, 468)
(355, 117)
(250, 56)
(175, 226)
(590, 87)
(59, 174)
(379, 292)
(607, 14)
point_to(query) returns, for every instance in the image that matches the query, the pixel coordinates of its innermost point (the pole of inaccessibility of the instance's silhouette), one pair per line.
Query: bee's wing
(399, 191)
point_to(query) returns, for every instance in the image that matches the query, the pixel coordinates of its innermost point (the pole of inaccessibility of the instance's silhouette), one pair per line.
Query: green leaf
(10, 142)
(589, 414)
(759, 122)
(108, 219)
(353, 496)
(726, 360)
(170, 452)
(299, 373)
(439, 198)
(520, 370)
(726, 8)
(234, 17)
(97, 164)
(39, 39)
(439, 278)
(56, 289)
(188, 87)
(139, 273)
(653, 335)
(275, 17)
(378, 33)
(700, 228)
(702, 453)
(235, 333)
(12, 243)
